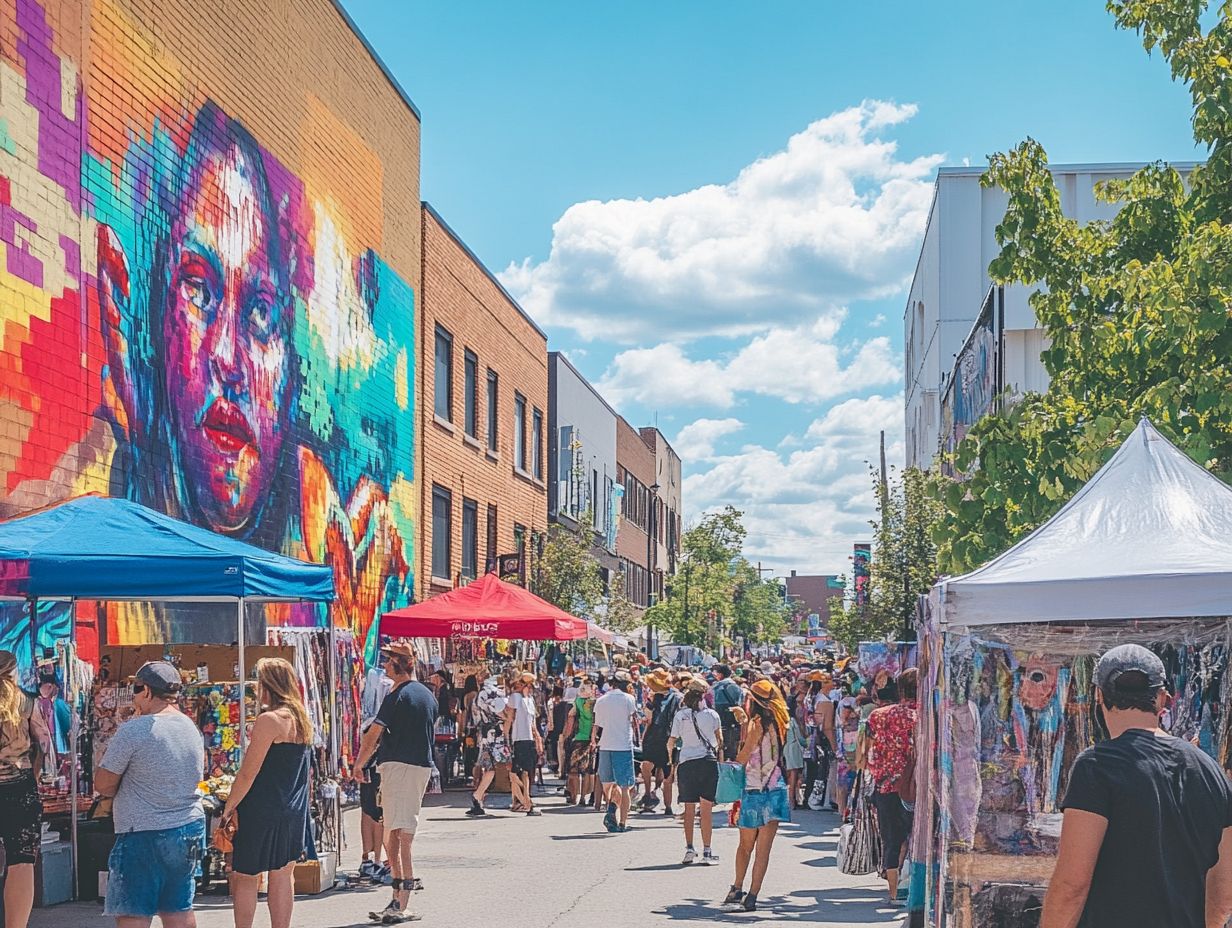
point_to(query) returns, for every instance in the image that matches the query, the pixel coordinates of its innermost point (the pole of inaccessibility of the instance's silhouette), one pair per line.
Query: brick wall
(467, 304)
(209, 246)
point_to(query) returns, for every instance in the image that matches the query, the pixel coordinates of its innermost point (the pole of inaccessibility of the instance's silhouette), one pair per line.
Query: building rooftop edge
(380, 62)
(431, 210)
(580, 376)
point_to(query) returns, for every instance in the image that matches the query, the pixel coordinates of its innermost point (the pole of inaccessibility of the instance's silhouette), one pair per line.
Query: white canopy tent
(1149, 536)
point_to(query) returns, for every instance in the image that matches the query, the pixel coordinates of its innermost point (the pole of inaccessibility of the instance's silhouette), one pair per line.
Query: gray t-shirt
(160, 760)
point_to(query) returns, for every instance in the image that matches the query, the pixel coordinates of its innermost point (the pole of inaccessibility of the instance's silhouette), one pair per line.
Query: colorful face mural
(188, 322)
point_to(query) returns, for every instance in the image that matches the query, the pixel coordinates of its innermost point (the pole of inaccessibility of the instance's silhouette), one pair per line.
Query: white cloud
(833, 217)
(802, 364)
(805, 506)
(695, 442)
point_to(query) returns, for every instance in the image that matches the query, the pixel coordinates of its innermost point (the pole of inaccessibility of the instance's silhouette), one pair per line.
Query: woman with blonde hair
(270, 797)
(764, 802)
(23, 734)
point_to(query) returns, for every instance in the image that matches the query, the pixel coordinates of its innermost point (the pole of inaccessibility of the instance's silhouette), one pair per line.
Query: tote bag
(862, 851)
(731, 782)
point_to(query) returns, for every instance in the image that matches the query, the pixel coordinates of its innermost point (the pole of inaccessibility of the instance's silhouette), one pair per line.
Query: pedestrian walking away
(697, 729)
(1146, 837)
(487, 713)
(269, 798)
(891, 734)
(615, 711)
(402, 736)
(24, 739)
(764, 802)
(522, 732)
(151, 767)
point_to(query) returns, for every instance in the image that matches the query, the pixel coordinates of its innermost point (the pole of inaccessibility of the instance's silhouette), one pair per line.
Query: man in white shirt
(613, 729)
(523, 734)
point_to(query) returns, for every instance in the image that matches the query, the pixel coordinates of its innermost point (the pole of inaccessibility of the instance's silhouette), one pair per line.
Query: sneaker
(368, 870)
(667, 810)
(392, 909)
(690, 856)
(476, 810)
(532, 811)
(735, 896)
(624, 827)
(750, 902)
(414, 884)
(400, 917)
(384, 875)
(709, 857)
(609, 822)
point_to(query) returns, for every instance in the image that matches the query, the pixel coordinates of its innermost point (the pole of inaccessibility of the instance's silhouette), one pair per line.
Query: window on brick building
(470, 398)
(493, 390)
(519, 431)
(519, 545)
(443, 397)
(442, 531)
(470, 538)
(490, 553)
(536, 451)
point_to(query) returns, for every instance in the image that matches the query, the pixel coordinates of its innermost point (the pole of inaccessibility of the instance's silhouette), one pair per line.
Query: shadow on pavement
(833, 906)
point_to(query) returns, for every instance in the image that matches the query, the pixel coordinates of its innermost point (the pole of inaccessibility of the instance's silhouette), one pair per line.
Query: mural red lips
(227, 427)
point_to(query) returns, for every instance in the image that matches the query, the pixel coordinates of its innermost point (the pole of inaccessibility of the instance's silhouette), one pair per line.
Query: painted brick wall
(461, 297)
(209, 250)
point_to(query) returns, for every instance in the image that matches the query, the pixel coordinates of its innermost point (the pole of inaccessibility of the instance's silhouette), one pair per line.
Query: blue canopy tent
(102, 548)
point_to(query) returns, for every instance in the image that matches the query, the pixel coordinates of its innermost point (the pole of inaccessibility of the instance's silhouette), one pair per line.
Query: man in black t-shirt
(1147, 831)
(405, 730)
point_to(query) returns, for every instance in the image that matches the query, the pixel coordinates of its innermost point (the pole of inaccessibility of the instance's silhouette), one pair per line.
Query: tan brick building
(207, 299)
(635, 475)
(666, 525)
(484, 397)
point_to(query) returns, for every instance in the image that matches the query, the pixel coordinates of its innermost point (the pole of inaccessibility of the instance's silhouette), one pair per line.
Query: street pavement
(563, 869)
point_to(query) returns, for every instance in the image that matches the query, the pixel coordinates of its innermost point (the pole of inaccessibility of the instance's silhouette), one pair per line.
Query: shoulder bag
(711, 751)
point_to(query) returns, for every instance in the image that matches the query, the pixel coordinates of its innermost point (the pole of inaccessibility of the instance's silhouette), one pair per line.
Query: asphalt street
(563, 869)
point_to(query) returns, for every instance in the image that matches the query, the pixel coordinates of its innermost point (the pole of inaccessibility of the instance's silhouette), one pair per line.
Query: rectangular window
(471, 396)
(493, 384)
(536, 448)
(490, 553)
(470, 538)
(519, 431)
(442, 532)
(443, 397)
(519, 545)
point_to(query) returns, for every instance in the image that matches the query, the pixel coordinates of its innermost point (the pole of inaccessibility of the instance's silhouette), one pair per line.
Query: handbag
(731, 782)
(224, 835)
(862, 853)
(434, 783)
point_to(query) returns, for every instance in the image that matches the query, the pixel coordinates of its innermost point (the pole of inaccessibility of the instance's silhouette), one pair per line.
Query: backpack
(727, 695)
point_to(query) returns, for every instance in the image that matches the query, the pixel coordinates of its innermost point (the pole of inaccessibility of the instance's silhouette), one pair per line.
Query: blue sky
(715, 208)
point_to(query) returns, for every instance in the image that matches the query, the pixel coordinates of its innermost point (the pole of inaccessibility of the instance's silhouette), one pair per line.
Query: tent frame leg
(239, 621)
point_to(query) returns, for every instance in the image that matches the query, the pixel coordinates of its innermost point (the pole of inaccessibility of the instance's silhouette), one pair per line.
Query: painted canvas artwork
(190, 323)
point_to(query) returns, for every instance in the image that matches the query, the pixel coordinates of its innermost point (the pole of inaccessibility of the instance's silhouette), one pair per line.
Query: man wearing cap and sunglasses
(152, 767)
(1146, 837)
(404, 730)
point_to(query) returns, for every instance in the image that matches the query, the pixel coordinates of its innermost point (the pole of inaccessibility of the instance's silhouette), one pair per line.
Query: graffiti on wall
(973, 385)
(189, 322)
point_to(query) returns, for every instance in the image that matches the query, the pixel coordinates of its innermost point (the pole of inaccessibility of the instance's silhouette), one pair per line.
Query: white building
(951, 286)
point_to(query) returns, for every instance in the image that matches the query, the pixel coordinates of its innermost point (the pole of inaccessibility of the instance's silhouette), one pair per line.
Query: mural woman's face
(226, 348)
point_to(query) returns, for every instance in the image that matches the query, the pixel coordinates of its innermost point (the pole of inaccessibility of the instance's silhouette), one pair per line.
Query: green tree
(759, 612)
(564, 571)
(903, 564)
(1136, 309)
(705, 582)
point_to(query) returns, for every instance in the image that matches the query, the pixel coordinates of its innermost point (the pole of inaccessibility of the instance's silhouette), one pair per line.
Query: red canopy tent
(487, 608)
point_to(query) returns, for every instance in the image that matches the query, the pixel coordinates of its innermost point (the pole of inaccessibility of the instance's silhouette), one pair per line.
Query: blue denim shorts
(154, 871)
(762, 806)
(616, 767)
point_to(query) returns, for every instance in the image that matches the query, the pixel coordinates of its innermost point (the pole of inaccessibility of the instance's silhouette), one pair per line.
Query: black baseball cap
(1129, 667)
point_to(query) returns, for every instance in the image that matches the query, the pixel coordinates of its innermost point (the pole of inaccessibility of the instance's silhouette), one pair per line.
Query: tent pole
(75, 733)
(334, 734)
(239, 619)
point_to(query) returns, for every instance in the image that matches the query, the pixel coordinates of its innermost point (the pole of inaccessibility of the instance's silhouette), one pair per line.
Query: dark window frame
(536, 437)
(519, 431)
(470, 393)
(445, 496)
(443, 338)
(470, 546)
(493, 411)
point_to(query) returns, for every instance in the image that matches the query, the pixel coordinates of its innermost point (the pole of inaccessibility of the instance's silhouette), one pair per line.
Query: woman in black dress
(270, 797)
